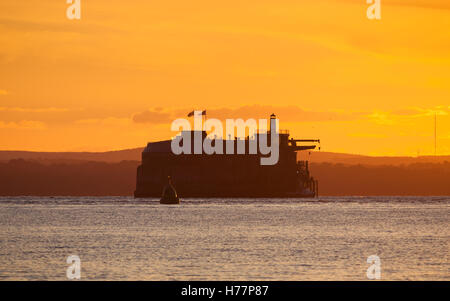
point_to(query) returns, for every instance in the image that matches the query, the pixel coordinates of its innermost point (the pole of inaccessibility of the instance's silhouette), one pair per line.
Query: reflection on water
(225, 239)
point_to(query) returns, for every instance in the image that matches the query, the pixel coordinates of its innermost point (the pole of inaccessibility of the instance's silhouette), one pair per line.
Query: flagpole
(205, 117)
(435, 136)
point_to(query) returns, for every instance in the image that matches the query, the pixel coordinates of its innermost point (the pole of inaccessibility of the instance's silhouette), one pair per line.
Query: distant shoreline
(93, 178)
(134, 154)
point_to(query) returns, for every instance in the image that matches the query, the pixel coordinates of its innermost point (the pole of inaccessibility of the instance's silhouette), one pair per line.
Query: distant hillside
(350, 159)
(114, 173)
(133, 154)
(369, 180)
(21, 177)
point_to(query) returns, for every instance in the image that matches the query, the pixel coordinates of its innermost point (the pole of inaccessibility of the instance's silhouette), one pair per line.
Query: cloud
(109, 121)
(433, 4)
(366, 135)
(391, 117)
(383, 118)
(61, 27)
(31, 110)
(292, 114)
(156, 116)
(23, 125)
(284, 113)
(418, 112)
(438, 110)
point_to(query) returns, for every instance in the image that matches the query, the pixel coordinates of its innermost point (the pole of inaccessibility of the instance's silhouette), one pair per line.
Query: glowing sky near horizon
(117, 78)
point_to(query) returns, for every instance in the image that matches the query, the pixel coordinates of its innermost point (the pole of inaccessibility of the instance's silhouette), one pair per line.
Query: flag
(192, 113)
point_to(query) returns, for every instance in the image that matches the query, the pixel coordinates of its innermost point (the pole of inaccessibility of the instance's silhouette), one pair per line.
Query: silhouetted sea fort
(226, 175)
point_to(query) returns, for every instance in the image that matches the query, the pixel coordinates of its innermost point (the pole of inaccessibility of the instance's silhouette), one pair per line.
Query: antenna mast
(435, 130)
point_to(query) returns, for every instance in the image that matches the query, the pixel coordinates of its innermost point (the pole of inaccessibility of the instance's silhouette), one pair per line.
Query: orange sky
(117, 78)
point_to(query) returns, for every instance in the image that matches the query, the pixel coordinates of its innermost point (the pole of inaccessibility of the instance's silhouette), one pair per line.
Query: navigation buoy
(169, 195)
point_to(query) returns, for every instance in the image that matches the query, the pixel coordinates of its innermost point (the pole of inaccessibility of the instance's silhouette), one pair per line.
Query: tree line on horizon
(92, 178)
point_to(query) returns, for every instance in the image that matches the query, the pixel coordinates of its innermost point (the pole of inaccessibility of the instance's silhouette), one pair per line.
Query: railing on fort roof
(281, 132)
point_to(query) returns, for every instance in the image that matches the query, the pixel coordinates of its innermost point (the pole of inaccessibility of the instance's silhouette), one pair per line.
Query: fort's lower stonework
(226, 175)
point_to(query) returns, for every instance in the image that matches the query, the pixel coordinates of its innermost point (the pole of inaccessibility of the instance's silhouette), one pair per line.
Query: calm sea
(329, 238)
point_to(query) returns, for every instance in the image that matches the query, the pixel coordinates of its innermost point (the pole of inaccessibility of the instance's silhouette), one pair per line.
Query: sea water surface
(122, 238)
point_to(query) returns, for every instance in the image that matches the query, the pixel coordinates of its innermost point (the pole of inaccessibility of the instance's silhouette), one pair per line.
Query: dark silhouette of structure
(169, 195)
(226, 175)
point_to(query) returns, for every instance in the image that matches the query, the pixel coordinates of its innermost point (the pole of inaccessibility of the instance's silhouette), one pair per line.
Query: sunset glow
(118, 77)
